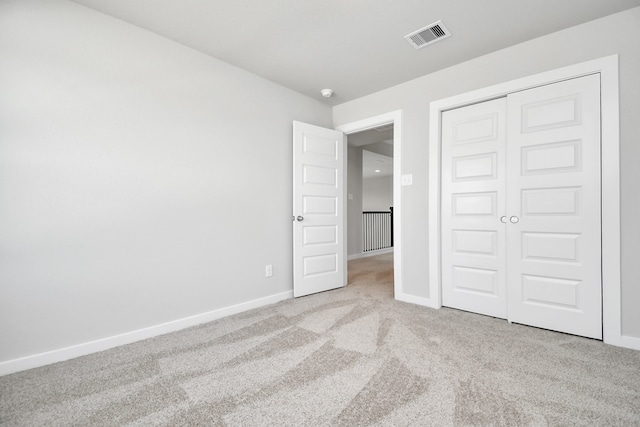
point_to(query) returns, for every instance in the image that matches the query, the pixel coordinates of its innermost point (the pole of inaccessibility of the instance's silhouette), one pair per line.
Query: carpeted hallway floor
(352, 357)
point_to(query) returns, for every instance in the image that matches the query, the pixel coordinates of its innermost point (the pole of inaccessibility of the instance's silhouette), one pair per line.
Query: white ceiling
(371, 136)
(377, 150)
(355, 47)
(372, 162)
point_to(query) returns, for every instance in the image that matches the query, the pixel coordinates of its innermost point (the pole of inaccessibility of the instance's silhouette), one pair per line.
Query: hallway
(373, 274)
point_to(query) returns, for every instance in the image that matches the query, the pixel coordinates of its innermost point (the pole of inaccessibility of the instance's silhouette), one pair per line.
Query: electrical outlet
(268, 270)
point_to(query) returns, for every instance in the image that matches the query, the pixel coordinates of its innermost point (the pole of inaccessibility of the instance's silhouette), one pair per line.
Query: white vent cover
(427, 35)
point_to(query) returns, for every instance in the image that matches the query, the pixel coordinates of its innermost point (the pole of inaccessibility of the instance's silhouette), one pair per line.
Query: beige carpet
(352, 357)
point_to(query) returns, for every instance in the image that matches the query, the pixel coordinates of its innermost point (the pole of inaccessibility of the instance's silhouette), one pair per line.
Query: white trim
(54, 356)
(370, 253)
(394, 117)
(611, 276)
(608, 69)
(629, 342)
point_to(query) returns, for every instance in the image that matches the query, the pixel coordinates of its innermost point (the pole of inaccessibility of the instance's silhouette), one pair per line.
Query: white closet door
(473, 200)
(553, 205)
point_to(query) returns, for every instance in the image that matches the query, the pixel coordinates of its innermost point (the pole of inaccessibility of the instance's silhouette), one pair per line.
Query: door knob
(514, 219)
(503, 219)
(300, 218)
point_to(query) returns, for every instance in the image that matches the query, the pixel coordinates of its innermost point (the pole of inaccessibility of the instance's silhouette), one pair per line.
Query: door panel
(551, 158)
(554, 258)
(557, 247)
(550, 202)
(473, 189)
(318, 209)
(474, 242)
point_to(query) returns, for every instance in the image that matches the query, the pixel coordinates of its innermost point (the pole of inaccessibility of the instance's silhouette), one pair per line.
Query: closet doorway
(520, 212)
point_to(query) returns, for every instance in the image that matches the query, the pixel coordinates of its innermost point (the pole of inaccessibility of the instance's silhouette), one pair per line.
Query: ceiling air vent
(427, 35)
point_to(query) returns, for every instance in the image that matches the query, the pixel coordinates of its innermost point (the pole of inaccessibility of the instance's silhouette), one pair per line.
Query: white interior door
(319, 255)
(553, 197)
(521, 207)
(473, 200)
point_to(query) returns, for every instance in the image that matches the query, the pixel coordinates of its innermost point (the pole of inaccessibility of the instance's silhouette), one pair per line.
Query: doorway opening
(374, 144)
(370, 207)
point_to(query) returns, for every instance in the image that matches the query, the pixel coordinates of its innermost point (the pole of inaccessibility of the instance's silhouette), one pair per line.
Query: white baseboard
(426, 302)
(630, 342)
(54, 356)
(371, 253)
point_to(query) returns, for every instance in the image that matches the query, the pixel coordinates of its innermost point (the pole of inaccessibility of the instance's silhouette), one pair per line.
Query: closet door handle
(503, 219)
(514, 219)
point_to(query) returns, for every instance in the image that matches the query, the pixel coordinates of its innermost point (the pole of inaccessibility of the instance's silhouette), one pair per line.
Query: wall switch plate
(268, 270)
(407, 179)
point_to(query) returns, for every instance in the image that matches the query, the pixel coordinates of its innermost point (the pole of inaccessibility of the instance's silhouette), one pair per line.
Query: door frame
(395, 118)
(610, 170)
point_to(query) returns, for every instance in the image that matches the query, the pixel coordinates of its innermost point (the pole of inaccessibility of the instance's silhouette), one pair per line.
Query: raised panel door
(521, 202)
(553, 189)
(318, 209)
(473, 192)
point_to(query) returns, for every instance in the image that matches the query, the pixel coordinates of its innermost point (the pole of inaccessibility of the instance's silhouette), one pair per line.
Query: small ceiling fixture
(427, 35)
(326, 93)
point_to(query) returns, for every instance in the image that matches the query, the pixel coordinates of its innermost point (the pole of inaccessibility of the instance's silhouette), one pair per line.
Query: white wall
(140, 181)
(574, 45)
(377, 193)
(354, 203)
